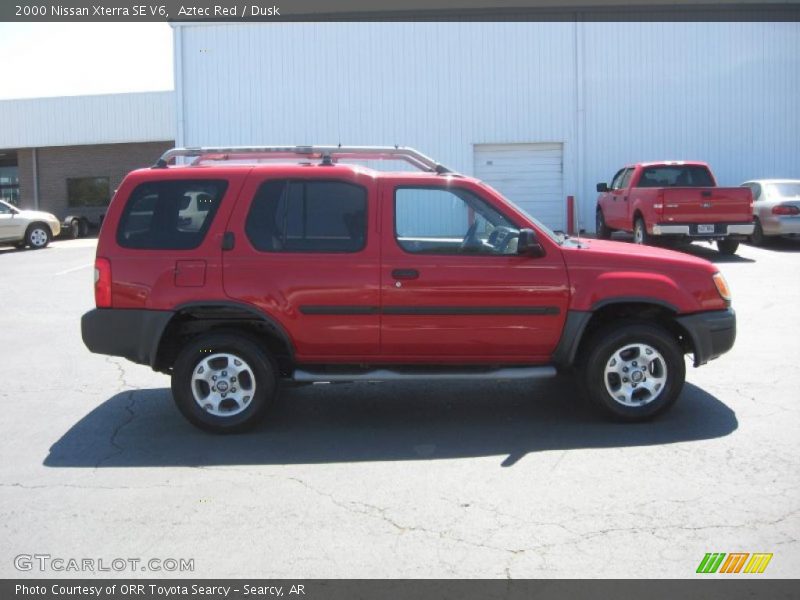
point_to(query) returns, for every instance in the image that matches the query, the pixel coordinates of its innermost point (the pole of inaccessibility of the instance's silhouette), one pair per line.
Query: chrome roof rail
(326, 154)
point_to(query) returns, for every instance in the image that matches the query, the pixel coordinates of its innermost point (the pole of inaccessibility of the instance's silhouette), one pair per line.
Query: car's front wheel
(37, 236)
(224, 382)
(633, 370)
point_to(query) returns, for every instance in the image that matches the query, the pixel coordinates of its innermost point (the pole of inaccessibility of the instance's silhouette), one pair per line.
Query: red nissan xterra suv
(255, 266)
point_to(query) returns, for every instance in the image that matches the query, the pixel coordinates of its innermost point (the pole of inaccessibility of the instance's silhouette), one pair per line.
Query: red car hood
(608, 254)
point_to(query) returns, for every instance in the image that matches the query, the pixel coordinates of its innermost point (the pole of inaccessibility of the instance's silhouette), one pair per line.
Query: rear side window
(675, 176)
(170, 215)
(308, 216)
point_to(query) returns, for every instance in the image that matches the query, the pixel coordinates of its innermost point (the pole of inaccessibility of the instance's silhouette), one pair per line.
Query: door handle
(625, 198)
(405, 273)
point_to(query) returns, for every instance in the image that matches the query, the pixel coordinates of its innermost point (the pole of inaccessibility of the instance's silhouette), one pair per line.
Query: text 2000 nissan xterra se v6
(253, 266)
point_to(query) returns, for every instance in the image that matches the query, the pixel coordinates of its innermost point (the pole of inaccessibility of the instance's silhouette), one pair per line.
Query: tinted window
(450, 221)
(675, 176)
(88, 191)
(308, 216)
(616, 181)
(626, 179)
(169, 215)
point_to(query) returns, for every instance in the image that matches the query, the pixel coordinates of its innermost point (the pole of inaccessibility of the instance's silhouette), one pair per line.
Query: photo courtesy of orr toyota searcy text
(159, 591)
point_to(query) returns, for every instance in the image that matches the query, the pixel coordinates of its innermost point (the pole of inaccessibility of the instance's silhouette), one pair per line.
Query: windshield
(5, 208)
(789, 189)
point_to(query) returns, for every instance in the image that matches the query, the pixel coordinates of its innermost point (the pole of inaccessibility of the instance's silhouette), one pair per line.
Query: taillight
(785, 209)
(102, 283)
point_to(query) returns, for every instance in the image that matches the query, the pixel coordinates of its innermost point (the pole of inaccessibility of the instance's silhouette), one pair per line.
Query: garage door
(530, 175)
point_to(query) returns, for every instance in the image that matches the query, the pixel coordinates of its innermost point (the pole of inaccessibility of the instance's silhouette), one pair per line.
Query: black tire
(20, 245)
(83, 228)
(667, 362)
(38, 236)
(602, 230)
(640, 235)
(74, 229)
(263, 382)
(758, 238)
(728, 247)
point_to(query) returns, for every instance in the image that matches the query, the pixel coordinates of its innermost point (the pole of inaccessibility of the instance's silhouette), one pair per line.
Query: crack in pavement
(113, 438)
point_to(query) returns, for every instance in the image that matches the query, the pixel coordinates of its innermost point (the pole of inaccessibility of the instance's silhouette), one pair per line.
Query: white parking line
(73, 269)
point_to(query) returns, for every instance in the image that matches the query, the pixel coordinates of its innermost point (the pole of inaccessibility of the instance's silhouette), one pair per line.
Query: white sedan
(776, 207)
(26, 227)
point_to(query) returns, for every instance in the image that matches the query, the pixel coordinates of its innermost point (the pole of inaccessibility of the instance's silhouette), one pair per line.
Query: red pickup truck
(674, 201)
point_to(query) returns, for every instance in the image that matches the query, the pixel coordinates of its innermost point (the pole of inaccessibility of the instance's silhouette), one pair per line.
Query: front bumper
(131, 333)
(691, 229)
(55, 228)
(712, 333)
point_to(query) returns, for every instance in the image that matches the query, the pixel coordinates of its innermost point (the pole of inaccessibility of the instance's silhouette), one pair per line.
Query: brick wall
(58, 163)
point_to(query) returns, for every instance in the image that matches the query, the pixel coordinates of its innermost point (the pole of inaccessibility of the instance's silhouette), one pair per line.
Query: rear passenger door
(306, 254)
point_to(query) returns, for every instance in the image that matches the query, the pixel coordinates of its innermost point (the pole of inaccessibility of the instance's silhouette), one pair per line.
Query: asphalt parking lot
(448, 480)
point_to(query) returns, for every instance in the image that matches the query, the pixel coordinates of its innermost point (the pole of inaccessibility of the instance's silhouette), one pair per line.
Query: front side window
(88, 191)
(169, 215)
(432, 220)
(308, 216)
(626, 179)
(616, 181)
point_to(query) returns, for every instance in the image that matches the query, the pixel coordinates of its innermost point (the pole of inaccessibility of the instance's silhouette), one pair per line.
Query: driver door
(615, 210)
(454, 289)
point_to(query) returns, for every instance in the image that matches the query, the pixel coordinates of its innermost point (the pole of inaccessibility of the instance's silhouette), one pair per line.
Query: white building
(68, 154)
(539, 110)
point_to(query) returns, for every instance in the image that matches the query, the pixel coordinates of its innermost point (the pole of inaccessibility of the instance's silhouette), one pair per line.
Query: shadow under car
(379, 422)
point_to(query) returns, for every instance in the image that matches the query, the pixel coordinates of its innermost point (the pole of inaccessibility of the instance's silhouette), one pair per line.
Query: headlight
(722, 286)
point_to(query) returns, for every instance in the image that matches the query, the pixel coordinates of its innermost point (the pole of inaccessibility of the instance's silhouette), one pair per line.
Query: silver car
(776, 208)
(26, 227)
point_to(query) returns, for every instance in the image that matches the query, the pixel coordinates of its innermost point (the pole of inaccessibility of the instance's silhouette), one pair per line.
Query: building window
(9, 184)
(88, 191)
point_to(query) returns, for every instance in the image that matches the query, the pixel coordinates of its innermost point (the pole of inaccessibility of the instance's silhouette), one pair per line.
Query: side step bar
(336, 376)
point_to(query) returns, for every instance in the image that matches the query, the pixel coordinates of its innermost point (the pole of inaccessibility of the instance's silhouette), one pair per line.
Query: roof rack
(326, 154)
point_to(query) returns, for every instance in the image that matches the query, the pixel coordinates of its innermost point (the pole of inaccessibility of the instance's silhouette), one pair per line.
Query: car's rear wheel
(601, 229)
(727, 246)
(633, 370)
(224, 382)
(75, 229)
(640, 235)
(37, 236)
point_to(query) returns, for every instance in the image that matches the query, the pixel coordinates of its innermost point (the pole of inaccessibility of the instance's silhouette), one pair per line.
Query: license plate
(705, 229)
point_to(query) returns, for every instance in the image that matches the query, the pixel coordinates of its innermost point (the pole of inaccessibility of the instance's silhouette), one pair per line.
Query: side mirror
(602, 187)
(528, 244)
